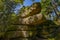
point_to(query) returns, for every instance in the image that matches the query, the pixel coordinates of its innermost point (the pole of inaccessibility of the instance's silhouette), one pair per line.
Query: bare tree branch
(54, 4)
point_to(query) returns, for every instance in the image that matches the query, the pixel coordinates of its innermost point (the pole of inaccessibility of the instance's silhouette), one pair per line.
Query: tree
(37, 20)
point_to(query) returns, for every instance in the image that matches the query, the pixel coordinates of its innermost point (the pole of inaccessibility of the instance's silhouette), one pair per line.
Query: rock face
(31, 15)
(22, 31)
(35, 8)
(29, 26)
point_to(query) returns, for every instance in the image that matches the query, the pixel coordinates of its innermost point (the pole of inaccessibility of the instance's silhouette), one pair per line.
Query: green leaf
(18, 1)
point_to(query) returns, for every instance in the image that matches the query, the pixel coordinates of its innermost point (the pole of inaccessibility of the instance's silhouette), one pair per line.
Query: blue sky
(26, 3)
(29, 2)
(58, 8)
